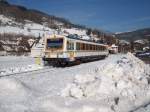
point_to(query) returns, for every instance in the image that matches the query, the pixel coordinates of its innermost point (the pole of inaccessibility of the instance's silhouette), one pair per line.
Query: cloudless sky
(109, 15)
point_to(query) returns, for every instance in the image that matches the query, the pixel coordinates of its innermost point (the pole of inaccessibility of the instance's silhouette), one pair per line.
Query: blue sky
(109, 15)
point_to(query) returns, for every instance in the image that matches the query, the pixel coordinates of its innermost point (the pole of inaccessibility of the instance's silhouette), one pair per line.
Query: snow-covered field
(120, 83)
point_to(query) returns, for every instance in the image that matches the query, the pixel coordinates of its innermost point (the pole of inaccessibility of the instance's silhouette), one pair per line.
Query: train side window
(90, 47)
(78, 46)
(99, 48)
(96, 47)
(102, 48)
(93, 47)
(86, 46)
(83, 46)
(70, 45)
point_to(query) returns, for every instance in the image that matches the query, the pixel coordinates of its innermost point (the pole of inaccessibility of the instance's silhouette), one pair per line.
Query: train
(62, 50)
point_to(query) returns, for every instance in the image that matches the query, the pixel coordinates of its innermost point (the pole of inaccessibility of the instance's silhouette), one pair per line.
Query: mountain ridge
(21, 13)
(143, 33)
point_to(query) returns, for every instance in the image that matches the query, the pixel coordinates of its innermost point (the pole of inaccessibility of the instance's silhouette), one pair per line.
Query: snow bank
(126, 81)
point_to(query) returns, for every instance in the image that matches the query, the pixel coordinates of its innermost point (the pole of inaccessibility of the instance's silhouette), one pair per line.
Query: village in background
(21, 32)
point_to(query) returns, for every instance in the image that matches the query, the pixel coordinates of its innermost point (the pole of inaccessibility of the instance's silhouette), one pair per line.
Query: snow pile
(125, 81)
(12, 70)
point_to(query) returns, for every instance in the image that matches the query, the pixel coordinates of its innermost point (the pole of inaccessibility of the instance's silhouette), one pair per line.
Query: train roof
(76, 37)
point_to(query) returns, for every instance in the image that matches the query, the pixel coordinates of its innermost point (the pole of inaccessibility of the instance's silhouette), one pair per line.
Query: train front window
(55, 43)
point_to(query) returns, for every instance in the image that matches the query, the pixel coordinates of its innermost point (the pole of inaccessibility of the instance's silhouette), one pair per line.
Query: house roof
(123, 42)
(141, 41)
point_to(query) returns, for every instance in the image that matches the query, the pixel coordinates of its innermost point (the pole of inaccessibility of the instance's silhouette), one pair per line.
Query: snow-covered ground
(13, 64)
(120, 83)
(15, 61)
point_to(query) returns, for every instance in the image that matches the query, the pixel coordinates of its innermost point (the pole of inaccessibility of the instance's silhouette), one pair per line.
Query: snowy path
(41, 92)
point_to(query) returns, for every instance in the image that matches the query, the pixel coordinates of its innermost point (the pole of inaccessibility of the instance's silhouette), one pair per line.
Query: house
(31, 41)
(113, 49)
(140, 44)
(124, 46)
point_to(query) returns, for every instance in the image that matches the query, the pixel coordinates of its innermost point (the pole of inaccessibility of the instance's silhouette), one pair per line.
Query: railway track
(44, 70)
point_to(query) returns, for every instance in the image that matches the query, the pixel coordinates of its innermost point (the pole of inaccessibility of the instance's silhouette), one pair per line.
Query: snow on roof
(123, 42)
(85, 37)
(140, 41)
(75, 31)
(113, 45)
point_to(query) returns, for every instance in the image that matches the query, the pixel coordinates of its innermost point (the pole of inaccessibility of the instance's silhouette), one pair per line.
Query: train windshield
(55, 43)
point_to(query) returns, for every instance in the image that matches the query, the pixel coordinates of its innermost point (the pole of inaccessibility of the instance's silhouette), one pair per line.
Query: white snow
(125, 79)
(85, 37)
(77, 31)
(117, 84)
(13, 64)
(12, 70)
(144, 41)
(124, 42)
(29, 28)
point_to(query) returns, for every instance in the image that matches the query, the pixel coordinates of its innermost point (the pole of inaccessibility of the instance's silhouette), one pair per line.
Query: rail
(44, 70)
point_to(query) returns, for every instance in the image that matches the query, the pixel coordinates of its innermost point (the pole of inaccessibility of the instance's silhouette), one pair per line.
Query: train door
(71, 50)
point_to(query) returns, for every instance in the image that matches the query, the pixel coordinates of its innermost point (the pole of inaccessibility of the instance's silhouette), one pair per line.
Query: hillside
(21, 13)
(135, 35)
(16, 19)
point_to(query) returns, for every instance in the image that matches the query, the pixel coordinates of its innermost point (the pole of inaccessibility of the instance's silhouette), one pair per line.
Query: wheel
(78, 62)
